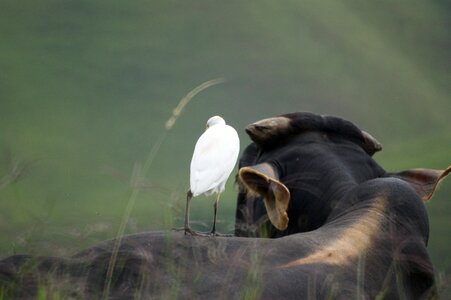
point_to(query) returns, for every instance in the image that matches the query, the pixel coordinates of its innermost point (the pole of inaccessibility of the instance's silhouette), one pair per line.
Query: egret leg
(189, 196)
(215, 207)
(188, 229)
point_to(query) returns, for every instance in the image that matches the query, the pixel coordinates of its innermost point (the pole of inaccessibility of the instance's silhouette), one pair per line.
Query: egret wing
(213, 160)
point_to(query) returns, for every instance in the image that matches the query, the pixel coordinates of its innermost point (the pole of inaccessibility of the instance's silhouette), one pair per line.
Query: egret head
(215, 121)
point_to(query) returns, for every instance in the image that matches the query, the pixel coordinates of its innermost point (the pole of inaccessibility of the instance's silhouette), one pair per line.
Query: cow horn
(263, 179)
(266, 130)
(371, 145)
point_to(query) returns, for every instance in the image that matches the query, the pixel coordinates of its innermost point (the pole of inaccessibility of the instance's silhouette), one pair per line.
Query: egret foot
(195, 233)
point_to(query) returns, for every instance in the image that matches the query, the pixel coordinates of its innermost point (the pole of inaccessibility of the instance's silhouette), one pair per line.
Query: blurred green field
(85, 89)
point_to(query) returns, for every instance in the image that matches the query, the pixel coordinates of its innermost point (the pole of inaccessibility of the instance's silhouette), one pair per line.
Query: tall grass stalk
(254, 280)
(140, 171)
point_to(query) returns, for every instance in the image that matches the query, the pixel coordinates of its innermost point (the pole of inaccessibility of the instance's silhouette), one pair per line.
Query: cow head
(269, 131)
(300, 165)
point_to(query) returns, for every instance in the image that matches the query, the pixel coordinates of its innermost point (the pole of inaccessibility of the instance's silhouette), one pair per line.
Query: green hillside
(86, 86)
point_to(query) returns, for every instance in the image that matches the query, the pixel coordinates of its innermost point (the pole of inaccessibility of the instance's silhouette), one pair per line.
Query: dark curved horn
(371, 145)
(265, 130)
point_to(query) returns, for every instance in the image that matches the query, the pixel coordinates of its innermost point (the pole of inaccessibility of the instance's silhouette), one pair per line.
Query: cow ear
(263, 180)
(424, 181)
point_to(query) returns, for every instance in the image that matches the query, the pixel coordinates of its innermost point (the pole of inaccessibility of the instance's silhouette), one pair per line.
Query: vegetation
(86, 88)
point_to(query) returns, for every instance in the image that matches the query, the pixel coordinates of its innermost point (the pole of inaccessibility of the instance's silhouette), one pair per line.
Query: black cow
(316, 174)
(346, 228)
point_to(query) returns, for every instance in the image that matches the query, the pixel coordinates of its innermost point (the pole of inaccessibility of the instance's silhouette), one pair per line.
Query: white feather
(214, 158)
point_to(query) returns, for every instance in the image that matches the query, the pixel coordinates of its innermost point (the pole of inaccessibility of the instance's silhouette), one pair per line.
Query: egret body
(214, 158)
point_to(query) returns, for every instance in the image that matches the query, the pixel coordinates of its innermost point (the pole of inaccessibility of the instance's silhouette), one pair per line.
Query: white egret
(214, 158)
